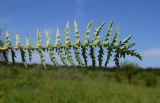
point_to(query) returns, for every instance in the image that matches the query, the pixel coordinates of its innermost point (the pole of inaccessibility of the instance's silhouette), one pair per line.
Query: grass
(72, 85)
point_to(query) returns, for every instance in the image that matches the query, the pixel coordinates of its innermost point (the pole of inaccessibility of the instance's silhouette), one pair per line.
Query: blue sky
(137, 17)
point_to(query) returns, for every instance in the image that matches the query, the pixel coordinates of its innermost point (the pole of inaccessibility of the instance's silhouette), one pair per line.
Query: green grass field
(77, 85)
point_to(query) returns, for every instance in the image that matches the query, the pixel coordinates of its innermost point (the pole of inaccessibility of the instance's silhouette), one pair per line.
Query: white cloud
(152, 52)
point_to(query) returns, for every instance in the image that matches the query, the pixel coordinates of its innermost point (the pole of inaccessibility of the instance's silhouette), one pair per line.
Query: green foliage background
(1, 45)
(78, 84)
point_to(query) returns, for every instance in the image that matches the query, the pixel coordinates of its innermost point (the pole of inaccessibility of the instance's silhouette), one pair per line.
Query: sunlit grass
(75, 85)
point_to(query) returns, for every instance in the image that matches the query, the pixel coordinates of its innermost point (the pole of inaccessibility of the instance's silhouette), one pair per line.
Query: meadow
(34, 84)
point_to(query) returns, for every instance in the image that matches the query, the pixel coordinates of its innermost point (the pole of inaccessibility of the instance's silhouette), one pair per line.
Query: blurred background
(137, 17)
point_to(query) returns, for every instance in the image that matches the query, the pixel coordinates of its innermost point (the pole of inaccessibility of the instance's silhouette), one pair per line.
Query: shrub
(150, 80)
(130, 69)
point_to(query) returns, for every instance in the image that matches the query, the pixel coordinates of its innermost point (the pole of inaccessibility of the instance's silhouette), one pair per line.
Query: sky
(137, 17)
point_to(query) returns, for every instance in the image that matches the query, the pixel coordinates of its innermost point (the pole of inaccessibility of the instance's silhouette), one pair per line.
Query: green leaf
(77, 41)
(119, 50)
(106, 40)
(23, 56)
(115, 39)
(30, 54)
(84, 54)
(112, 46)
(125, 41)
(17, 40)
(77, 55)
(13, 55)
(38, 40)
(59, 49)
(133, 53)
(62, 56)
(117, 56)
(130, 45)
(96, 40)
(28, 41)
(48, 39)
(67, 43)
(52, 57)
(28, 45)
(67, 34)
(6, 45)
(86, 40)
(69, 55)
(41, 57)
(77, 44)
(7, 40)
(100, 55)
(57, 37)
(92, 56)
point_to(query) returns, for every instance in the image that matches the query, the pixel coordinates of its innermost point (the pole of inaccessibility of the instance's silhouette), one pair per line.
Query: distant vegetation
(1, 45)
(62, 84)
